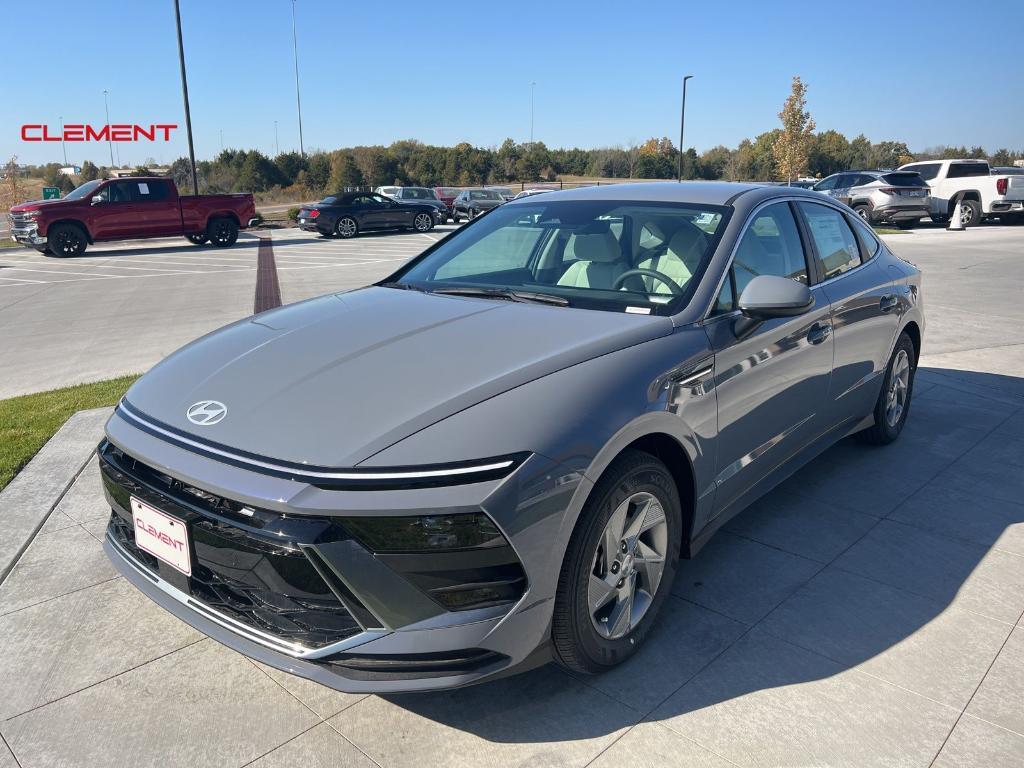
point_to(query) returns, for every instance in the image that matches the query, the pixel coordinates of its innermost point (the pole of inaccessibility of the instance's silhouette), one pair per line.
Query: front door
(116, 215)
(396, 214)
(772, 383)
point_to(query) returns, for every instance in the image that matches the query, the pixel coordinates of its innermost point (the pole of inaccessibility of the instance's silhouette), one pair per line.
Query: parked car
(506, 193)
(346, 215)
(529, 192)
(472, 202)
(1006, 170)
(420, 195)
(447, 196)
(497, 455)
(130, 208)
(387, 191)
(971, 181)
(895, 197)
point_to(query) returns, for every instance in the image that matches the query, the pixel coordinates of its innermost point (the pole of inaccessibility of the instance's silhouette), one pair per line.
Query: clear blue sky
(606, 73)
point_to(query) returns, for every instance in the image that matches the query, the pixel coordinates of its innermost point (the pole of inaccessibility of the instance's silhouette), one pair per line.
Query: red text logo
(82, 132)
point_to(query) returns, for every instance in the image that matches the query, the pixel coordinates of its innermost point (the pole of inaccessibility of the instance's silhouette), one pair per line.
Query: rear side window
(903, 179)
(868, 242)
(151, 191)
(834, 240)
(926, 171)
(826, 185)
(963, 170)
(863, 179)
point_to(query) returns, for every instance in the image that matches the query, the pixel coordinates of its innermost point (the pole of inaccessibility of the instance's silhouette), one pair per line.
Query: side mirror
(770, 296)
(96, 200)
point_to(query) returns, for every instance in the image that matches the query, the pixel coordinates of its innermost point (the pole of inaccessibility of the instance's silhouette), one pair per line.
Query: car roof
(696, 192)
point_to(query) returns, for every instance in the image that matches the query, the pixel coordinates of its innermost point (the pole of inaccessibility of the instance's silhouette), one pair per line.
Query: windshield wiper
(402, 286)
(527, 297)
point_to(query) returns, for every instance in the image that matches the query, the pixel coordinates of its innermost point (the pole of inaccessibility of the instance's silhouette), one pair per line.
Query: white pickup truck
(981, 194)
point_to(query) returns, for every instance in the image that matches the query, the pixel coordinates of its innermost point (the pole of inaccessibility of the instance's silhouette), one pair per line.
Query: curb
(32, 495)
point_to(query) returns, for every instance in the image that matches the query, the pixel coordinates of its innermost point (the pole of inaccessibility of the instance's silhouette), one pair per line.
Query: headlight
(31, 214)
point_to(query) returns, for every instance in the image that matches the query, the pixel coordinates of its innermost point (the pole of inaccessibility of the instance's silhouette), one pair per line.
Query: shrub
(293, 214)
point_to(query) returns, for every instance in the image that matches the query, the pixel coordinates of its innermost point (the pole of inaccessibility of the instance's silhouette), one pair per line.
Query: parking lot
(866, 613)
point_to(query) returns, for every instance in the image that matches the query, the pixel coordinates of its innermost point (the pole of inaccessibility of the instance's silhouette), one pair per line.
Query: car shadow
(864, 559)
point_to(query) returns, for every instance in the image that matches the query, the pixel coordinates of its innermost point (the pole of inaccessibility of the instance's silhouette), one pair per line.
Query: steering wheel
(673, 287)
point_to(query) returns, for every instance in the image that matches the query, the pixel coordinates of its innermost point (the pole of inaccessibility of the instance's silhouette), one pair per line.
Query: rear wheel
(199, 239)
(970, 213)
(346, 227)
(893, 404)
(619, 565)
(423, 222)
(66, 240)
(223, 232)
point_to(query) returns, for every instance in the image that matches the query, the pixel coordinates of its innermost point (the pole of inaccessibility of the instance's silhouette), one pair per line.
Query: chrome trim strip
(761, 450)
(295, 650)
(405, 475)
(696, 376)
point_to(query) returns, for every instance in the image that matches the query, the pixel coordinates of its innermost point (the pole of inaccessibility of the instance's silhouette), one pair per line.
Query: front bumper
(382, 632)
(27, 234)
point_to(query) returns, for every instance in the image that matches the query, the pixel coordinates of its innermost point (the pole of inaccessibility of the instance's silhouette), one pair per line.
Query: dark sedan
(346, 215)
(472, 202)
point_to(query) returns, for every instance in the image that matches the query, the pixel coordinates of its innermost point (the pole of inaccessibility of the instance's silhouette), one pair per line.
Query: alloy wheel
(422, 222)
(68, 242)
(346, 227)
(899, 388)
(628, 565)
(221, 232)
(966, 215)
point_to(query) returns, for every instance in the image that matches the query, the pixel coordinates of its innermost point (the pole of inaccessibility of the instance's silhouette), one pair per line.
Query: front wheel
(222, 232)
(893, 404)
(423, 222)
(864, 212)
(66, 240)
(619, 565)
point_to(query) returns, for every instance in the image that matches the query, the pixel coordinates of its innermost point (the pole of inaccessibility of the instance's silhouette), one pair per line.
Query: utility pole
(682, 123)
(63, 146)
(110, 146)
(533, 85)
(298, 101)
(184, 95)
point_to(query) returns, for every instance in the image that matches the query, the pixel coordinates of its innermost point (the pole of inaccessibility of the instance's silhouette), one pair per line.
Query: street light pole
(184, 95)
(106, 108)
(298, 101)
(682, 123)
(533, 85)
(63, 146)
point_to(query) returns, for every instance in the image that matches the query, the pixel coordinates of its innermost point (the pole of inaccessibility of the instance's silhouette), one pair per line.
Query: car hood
(33, 205)
(334, 380)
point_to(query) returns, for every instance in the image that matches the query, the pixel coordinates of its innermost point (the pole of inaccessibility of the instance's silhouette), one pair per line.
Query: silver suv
(897, 197)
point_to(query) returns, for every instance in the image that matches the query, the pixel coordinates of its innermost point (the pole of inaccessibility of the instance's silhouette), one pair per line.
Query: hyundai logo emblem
(206, 412)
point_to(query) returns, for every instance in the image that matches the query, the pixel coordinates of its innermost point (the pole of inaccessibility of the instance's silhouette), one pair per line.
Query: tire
(629, 483)
(455, 218)
(423, 222)
(864, 212)
(886, 428)
(472, 213)
(970, 213)
(222, 232)
(198, 239)
(66, 240)
(346, 227)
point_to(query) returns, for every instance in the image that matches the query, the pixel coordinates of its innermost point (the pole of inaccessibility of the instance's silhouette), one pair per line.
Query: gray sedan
(496, 456)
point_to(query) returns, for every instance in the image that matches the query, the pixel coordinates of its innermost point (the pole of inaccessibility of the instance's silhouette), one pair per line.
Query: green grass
(28, 421)
(887, 231)
(5, 243)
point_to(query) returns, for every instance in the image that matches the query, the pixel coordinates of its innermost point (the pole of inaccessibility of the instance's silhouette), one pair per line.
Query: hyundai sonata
(496, 456)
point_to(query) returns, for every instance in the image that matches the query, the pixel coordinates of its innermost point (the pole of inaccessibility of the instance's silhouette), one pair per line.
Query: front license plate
(162, 536)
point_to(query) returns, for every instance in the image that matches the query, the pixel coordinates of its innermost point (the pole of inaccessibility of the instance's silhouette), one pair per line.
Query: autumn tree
(792, 147)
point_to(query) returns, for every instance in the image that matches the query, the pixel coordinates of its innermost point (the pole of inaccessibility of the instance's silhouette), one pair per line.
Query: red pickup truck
(130, 208)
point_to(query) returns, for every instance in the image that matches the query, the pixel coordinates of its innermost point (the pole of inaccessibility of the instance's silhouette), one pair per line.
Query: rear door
(865, 307)
(844, 184)
(772, 384)
(159, 207)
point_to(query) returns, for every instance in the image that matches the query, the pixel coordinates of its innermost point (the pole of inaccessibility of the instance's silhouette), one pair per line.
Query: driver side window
(770, 246)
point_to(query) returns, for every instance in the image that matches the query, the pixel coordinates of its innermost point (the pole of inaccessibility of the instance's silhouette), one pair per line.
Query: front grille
(256, 573)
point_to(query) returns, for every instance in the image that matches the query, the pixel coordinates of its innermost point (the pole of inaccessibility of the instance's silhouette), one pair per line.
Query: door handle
(889, 302)
(819, 332)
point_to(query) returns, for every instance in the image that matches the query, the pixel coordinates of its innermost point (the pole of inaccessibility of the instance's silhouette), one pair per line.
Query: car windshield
(418, 193)
(617, 256)
(484, 194)
(85, 190)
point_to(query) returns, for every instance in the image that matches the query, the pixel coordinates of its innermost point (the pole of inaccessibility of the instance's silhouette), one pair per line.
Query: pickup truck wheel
(346, 227)
(970, 213)
(198, 239)
(423, 222)
(222, 232)
(66, 240)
